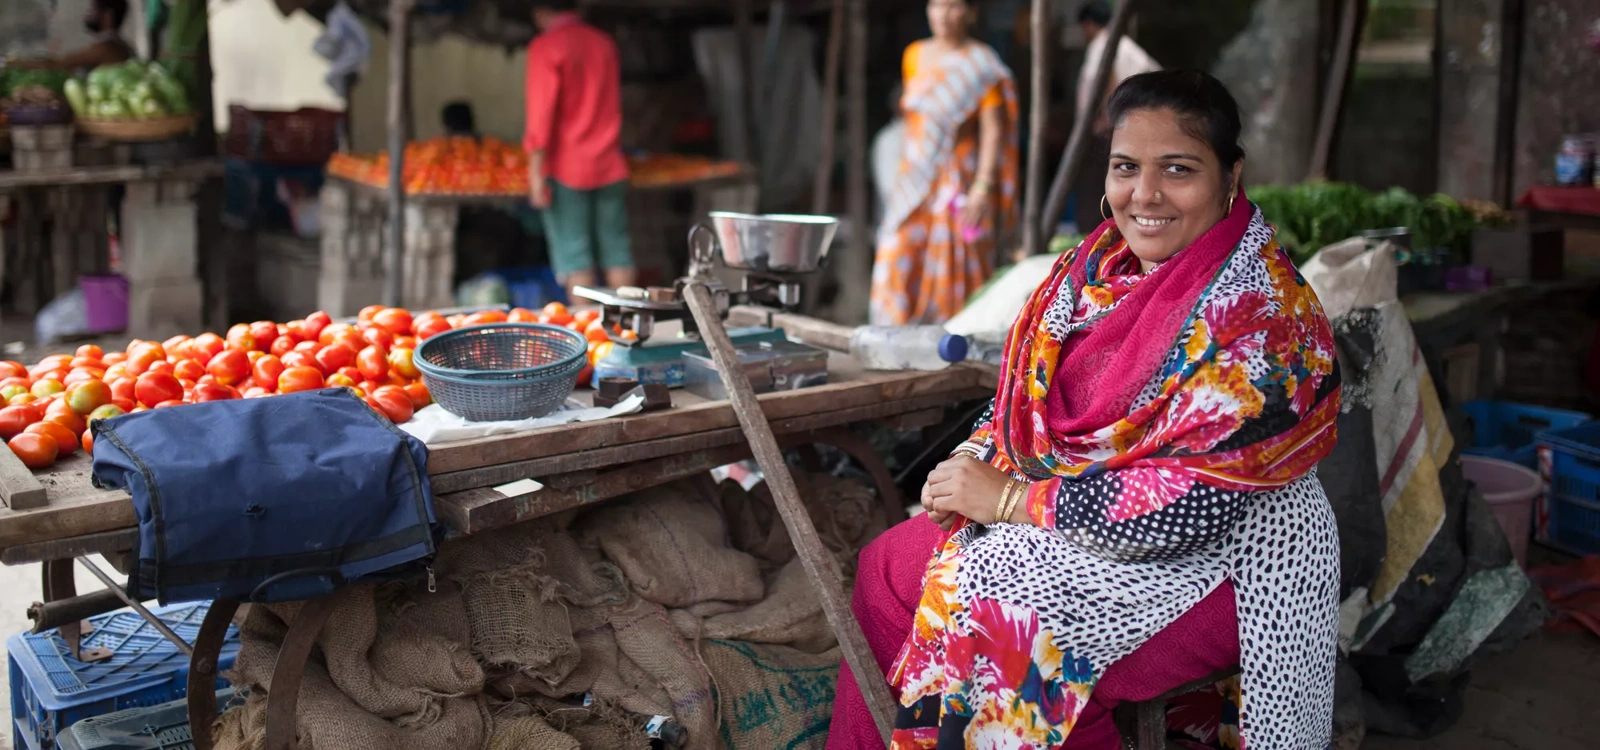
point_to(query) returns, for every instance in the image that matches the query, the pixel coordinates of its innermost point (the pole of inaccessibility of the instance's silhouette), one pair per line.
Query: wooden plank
(867, 388)
(1351, 20)
(107, 543)
(539, 468)
(75, 508)
(18, 487)
(110, 175)
(818, 561)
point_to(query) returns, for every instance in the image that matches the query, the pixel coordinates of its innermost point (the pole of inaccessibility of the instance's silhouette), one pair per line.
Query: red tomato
(24, 381)
(396, 320)
(15, 419)
(596, 331)
(206, 346)
(189, 370)
(91, 351)
(88, 442)
(456, 321)
(10, 370)
(162, 366)
(392, 402)
(325, 337)
(266, 371)
(331, 358)
(368, 386)
(78, 376)
(299, 378)
(400, 362)
(116, 372)
(122, 389)
(420, 396)
(557, 314)
(377, 336)
(61, 412)
(315, 322)
(66, 441)
(338, 380)
(116, 408)
(373, 363)
(154, 387)
(264, 332)
(229, 367)
(301, 359)
(241, 339)
(368, 312)
(86, 363)
(486, 317)
(173, 343)
(308, 347)
(36, 451)
(585, 375)
(282, 345)
(257, 391)
(169, 403)
(87, 396)
(585, 317)
(204, 393)
(522, 315)
(431, 328)
(351, 339)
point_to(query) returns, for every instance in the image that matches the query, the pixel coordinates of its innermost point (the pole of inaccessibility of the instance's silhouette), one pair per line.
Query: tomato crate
(1568, 515)
(163, 727)
(1508, 430)
(51, 690)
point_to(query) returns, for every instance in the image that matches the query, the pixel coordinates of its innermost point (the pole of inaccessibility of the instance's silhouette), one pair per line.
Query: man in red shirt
(576, 170)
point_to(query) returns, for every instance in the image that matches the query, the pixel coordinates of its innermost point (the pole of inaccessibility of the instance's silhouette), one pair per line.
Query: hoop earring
(1231, 197)
(1103, 214)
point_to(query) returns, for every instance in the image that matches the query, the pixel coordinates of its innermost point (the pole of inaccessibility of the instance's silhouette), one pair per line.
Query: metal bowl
(786, 243)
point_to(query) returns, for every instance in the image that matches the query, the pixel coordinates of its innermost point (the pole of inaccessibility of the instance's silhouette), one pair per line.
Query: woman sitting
(955, 191)
(1139, 509)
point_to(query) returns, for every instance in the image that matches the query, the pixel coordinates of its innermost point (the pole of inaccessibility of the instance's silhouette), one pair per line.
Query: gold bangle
(1020, 497)
(1005, 497)
(1008, 500)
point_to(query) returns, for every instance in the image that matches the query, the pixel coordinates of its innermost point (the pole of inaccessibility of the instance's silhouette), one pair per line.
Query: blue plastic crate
(1508, 431)
(1569, 514)
(51, 691)
(163, 727)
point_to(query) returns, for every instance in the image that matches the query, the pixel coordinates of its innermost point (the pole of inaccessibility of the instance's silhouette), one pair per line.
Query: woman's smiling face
(1165, 186)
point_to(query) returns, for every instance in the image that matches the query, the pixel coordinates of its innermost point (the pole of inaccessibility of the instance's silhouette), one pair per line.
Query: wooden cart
(574, 465)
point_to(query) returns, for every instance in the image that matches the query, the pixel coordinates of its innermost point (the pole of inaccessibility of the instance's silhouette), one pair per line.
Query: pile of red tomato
(48, 407)
(445, 166)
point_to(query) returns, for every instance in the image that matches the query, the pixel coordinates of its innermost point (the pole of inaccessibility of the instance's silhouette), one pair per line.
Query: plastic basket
(1569, 514)
(105, 302)
(51, 690)
(163, 727)
(1508, 431)
(502, 371)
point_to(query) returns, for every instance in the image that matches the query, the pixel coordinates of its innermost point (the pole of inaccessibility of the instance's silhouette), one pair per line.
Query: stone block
(159, 310)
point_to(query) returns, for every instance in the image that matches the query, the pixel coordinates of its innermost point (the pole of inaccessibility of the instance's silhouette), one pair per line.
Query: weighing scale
(771, 254)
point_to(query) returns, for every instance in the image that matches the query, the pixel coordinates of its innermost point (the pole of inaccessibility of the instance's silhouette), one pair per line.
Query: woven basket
(139, 131)
(502, 371)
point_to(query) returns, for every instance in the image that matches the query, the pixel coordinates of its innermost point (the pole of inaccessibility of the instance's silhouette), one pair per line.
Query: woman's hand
(975, 209)
(965, 486)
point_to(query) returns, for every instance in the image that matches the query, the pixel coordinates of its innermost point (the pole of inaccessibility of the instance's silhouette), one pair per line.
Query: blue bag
(268, 499)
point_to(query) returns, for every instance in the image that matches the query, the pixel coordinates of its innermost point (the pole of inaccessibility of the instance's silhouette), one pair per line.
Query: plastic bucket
(105, 302)
(1510, 490)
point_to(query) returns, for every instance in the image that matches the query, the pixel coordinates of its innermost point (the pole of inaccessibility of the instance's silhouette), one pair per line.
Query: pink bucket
(1510, 491)
(105, 302)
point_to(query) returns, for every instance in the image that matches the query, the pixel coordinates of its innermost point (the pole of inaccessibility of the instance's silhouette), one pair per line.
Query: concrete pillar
(1271, 69)
(1469, 83)
(160, 249)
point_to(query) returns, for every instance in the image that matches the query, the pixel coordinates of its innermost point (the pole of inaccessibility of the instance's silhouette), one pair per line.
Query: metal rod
(47, 615)
(154, 621)
(1081, 129)
(1351, 20)
(399, 81)
(830, 109)
(1038, 121)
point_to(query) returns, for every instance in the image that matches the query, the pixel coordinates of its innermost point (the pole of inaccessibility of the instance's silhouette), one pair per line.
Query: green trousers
(587, 228)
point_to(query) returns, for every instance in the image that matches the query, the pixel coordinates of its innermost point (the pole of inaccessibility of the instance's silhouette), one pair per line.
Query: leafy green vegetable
(1312, 215)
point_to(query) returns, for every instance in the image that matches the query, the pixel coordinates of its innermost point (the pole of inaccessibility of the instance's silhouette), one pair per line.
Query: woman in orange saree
(954, 198)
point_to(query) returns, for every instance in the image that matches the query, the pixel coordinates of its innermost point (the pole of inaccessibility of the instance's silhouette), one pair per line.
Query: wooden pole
(1351, 20)
(399, 82)
(856, 287)
(830, 109)
(1082, 128)
(1038, 121)
(1505, 130)
(744, 26)
(819, 564)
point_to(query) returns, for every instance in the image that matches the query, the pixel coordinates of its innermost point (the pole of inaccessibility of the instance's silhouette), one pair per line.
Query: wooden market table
(479, 485)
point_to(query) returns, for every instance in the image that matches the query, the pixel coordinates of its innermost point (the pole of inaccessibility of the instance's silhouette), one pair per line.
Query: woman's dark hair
(117, 8)
(1204, 107)
(1095, 10)
(458, 119)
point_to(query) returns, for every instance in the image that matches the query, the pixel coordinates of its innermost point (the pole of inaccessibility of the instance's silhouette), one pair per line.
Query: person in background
(459, 120)
(182, 32)
(576, 171)
(104, 22)
(954, 198)
(1131, 60)
(886, 148)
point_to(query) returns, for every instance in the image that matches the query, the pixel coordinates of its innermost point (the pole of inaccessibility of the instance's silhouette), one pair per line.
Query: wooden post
(399, 81)
(744, 26)
(856, 271)
(1038, 119)
(1351, 21)
(819, 564)
(1505, 130)
(1081, 129)
(830, 109)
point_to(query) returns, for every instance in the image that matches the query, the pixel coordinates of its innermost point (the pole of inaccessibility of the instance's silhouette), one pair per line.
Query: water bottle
(907, 347)
(986, 348)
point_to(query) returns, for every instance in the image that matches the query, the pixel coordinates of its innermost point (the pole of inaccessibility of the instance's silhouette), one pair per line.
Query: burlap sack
(647, 638)
(846, 514)
(513, 610)
(772, 696)
(529, 733)
(791, 614)
(671, 544)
